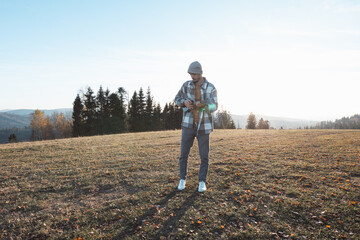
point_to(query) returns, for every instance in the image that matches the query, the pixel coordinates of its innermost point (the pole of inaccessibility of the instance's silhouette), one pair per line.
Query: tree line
(252, 123)
(352, 122)
(109, 113)
(223, 120)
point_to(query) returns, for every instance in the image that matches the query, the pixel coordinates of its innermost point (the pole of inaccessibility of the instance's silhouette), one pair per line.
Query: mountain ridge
(47, 112)
(20, 118)
(275, 122)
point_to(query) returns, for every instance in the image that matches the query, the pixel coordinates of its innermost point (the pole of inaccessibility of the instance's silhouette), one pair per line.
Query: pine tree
(100, 112)
(106, 113)
(122, 96)
(134, 113)
(141, 125)
(77, 117)
(149, 110)
(232, 124)
(89, 113)
(100, 101)
(262, 124)
(13, 138)
(224, 120)
(251, 121)
(117, 115)
(107, 103)
(165, 118)
(122, 113)
(171, 116)
(157, 118)
(267, 124)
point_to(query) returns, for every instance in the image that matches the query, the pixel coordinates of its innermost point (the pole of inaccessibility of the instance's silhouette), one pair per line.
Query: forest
(352, 122)
(112, 113)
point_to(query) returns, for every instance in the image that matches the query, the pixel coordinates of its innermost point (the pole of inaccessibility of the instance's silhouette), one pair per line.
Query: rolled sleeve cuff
(210, 107)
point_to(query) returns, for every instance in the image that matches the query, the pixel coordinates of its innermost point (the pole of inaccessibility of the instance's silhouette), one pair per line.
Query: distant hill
(9, 120)
(30, 111)
(276, 122)
(20, 118)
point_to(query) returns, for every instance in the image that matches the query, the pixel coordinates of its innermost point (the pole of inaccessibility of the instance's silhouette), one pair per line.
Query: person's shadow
(170, 224)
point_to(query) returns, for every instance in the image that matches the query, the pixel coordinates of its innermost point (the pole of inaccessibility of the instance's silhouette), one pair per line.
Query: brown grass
(291, 184)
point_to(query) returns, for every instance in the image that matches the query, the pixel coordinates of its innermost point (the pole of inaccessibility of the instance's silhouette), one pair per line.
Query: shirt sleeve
(180, 97)
(211, 104)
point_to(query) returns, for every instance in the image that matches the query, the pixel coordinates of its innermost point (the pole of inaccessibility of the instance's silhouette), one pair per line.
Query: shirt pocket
(207, 97)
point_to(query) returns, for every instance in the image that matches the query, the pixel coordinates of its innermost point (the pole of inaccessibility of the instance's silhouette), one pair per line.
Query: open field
(262, 184)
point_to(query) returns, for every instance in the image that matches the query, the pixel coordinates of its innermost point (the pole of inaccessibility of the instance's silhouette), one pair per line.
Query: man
(198, 98)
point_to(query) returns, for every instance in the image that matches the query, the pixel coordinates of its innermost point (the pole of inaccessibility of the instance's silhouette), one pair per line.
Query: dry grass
(291, 184)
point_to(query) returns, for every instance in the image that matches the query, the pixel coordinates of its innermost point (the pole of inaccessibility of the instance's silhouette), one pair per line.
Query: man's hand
(200, 105)
(189, 104)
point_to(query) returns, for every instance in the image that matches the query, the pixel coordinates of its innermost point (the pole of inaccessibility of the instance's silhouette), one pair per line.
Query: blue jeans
(187, 140)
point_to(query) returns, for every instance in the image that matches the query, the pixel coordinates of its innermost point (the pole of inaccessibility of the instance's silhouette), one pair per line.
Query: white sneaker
(202, 187)
(182, 184)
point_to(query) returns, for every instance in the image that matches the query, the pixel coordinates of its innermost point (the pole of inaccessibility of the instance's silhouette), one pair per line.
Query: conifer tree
(171, 116)
(224, 120)
(149, 109)
(89, 113)
(157, 118)
(262, 124)
(165, 117)
(107, 103)
(251, 121)
(117, 115)
(122, 96)
(100, 112)
(77, 117)
(106, 113)
(13, 138)
(100, 101)
(134, 113)
(141, 125)
(122, 111)
(232, 124)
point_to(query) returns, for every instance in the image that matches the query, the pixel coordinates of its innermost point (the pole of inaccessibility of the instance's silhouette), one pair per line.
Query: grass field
(262, 184)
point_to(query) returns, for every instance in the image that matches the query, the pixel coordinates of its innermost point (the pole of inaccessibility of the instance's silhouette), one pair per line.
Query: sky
(296, 59)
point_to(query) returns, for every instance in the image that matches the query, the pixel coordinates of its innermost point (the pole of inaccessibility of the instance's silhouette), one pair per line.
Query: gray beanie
(195, 67)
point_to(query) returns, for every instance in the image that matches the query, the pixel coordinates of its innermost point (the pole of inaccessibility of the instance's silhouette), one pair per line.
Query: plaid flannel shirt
(208, 97)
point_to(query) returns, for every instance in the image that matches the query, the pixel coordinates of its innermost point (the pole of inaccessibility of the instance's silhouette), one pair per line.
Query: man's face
(195, 77)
